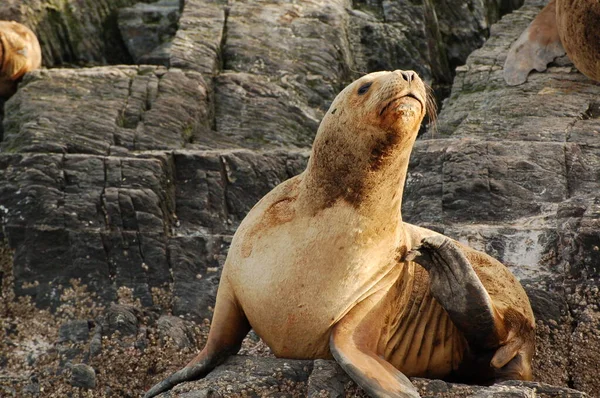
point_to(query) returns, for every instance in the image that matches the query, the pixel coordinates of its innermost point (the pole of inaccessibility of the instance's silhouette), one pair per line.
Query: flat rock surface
(249, 376)
(135, 177)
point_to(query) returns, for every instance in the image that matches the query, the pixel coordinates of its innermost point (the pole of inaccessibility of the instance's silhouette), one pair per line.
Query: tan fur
(320, 259)
(569, 26)
(578, 24)
(20, 53)
(320, 243)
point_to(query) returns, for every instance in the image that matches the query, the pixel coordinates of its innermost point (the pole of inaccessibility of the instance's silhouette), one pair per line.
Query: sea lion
(20, 53)
(569, 26)
(323, 266)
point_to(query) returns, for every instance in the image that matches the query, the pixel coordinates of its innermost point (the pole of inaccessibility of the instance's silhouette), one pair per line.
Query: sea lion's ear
(537, 46)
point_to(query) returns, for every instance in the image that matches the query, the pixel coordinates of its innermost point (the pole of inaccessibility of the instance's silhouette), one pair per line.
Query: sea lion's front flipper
(456, 286)
(353, 343)
(504, 341)
(228, 329)
(537, 46)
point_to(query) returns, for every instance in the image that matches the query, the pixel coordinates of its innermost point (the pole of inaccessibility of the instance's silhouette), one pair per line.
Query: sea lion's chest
(297, 275)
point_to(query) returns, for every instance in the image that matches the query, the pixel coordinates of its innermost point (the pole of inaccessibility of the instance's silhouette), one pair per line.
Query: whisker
(431, 109)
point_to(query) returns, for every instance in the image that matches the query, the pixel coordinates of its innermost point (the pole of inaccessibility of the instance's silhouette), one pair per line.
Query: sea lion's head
(392, 102)
(366, 137)
(20, 53)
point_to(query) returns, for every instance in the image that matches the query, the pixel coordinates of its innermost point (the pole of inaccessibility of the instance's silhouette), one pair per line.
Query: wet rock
(83, 376)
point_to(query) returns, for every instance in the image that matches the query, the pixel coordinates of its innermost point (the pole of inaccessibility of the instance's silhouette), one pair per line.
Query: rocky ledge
(269, 377)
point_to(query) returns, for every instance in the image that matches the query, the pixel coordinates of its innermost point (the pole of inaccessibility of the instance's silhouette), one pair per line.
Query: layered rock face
(124, 175)
(72, 32)
(137, 176)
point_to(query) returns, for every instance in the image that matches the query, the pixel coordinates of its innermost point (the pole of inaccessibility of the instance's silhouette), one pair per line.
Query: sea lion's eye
(364, 88)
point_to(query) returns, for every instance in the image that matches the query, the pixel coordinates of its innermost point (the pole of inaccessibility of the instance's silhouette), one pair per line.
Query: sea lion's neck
(372, 184)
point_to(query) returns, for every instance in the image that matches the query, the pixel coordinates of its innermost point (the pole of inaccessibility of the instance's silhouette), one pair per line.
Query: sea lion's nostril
(408, 76)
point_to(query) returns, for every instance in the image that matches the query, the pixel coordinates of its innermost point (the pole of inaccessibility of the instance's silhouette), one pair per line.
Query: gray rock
(257, 376)
(121, 318)
(67, 353)
(327, 379)
(72, 31)
(74, 331)
(207, 393)
(145, 27)
(509, 389)
(8, 391)
(122, 108)
(177, 330)
(197, 265)
(202, 31)
(284, 377)
(96, 340)
(33, 388)
(83, 376)
(158, 56)
(112, 197)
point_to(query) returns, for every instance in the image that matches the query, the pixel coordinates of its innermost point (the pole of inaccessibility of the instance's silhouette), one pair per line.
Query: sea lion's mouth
(399, 105)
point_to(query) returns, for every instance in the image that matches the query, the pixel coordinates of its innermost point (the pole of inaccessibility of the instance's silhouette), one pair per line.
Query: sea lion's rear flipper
(228, 329)
(353, 344)
(503, 341)
(537, 46)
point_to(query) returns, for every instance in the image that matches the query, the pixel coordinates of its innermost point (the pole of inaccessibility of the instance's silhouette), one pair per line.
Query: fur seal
(569, 26)
(20, 53)
(323, 266)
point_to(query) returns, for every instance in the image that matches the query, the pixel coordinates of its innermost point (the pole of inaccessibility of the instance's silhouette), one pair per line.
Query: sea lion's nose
(407, 75)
